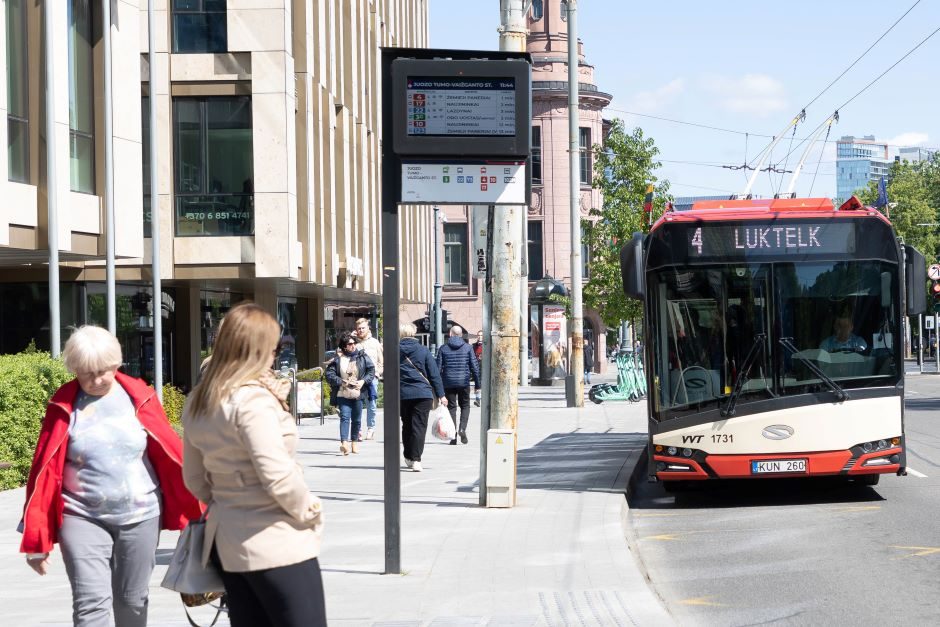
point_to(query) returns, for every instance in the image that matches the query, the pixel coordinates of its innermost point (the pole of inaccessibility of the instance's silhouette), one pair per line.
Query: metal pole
(155, 211)
(487, 367)
(936, 334)
(391, 172)
(575, 390)
(438, 331)
(512, 38)
(55, 342)
(920, 342)
(109, 173)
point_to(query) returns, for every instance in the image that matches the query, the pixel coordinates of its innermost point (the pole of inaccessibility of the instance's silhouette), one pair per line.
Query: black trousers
(459, 397)
(287, 596)
(414, 426)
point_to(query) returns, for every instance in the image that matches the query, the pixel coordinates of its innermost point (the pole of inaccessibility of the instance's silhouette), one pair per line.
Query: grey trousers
(109, 564)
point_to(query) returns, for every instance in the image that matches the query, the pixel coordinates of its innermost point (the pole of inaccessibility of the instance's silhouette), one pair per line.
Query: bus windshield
(758, 331)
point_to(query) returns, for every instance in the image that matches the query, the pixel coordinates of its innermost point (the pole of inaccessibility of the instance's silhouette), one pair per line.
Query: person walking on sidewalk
(373, 348)
(588, 360)
(264, 525)
(420, 384)
(350, 377)
(478, 353)
(106, 477)
(458, 366)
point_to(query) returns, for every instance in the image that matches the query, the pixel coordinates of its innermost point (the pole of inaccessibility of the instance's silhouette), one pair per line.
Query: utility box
(500, 468)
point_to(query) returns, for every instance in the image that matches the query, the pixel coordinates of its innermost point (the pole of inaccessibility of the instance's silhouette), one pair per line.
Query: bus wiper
(757, 347)
(841, 394)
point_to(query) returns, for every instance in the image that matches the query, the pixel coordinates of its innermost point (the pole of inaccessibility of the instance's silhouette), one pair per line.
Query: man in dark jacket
(419, 384)
(458, 365)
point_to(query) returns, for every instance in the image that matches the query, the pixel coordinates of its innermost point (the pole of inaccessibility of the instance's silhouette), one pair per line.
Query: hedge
(27, 382)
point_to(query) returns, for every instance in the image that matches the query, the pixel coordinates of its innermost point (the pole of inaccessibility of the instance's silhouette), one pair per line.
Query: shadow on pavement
(579, 462)
(752, 493)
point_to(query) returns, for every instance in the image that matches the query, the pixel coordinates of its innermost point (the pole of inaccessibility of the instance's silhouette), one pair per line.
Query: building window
(585, 252)
(536, 155)
(455, 254)
(199, 26)
(213, 166)
(81, 97)
(584, 145)
(536, 267)
(536, 10)
(17, 92)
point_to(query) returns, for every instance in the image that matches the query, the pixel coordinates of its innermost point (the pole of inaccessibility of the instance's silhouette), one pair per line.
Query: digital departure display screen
(775, 239)
(461, 106)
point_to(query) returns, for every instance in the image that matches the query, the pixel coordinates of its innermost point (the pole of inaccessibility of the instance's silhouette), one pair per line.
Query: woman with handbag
(420, 384)
(350, 377)
(106, 478)
(263, 526)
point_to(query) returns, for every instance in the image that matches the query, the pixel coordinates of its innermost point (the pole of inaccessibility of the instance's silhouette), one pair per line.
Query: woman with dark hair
(350, 377)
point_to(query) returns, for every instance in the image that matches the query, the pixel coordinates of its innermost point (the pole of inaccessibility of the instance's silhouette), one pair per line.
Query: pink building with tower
(549, 233)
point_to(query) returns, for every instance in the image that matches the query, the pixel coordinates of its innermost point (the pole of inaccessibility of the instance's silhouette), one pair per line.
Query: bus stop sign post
(460, 124)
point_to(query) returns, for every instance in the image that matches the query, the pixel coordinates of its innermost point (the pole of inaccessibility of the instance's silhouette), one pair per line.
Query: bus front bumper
(847, 463)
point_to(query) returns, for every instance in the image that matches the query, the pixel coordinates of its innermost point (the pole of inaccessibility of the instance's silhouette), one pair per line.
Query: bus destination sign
(463, 106)
(770, 239)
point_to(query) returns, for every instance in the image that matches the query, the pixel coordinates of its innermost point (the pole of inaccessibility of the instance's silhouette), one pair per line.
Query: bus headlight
(672, 450)
(867, 447)
(882, 444)
(687, 452)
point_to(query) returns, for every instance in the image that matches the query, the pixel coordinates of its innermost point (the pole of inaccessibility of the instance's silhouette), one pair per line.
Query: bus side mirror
(915, 280)
(631, 267)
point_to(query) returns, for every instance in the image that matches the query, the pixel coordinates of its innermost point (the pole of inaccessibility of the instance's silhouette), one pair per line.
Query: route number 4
(697, 240)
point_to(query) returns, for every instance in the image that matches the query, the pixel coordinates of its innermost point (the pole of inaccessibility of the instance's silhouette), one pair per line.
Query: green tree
(624, 166)
(915, 187)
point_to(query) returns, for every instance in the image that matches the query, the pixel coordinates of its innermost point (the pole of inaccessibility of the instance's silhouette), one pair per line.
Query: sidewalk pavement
(559, 557)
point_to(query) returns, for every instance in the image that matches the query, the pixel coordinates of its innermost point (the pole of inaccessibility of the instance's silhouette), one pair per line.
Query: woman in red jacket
(106, 477)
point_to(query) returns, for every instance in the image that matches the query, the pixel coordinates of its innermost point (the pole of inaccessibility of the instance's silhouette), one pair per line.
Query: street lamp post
(438, 331)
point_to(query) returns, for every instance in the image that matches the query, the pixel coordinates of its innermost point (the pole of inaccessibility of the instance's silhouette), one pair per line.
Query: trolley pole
(574, 391)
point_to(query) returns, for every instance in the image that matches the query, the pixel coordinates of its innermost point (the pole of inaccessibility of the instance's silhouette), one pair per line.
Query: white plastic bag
(442, 425)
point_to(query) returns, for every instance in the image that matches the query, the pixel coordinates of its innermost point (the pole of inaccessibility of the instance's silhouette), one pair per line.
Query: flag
(648, 200)
(882, 193)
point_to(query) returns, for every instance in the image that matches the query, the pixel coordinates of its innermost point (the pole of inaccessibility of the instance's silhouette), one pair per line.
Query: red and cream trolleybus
(773, 339)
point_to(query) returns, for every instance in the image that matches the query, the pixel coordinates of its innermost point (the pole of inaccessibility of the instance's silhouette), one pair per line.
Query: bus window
(836, 318)
(706, 322)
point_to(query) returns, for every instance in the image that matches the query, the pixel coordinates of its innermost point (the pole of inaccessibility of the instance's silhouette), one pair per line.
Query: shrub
(173, 400)
(316, 374)
(27, 382)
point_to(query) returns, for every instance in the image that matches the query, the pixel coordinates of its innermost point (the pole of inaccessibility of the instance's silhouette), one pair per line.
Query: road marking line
(702, 601)
(920, 550)
(911, 471)
(856, 508)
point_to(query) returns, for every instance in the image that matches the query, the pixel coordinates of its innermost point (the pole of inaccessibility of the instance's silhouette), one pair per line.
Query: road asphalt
(561, 556)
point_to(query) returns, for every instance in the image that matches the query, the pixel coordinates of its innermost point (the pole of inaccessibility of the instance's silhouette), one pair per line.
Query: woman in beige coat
(263, 526)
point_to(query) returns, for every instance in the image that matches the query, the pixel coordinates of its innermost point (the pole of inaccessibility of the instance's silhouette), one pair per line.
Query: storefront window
(134, 321)
(287, 347)
(81, 97)
(213, 306)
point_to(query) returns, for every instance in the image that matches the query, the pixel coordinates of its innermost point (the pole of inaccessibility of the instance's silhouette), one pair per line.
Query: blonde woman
(106, 478)
(263, 527)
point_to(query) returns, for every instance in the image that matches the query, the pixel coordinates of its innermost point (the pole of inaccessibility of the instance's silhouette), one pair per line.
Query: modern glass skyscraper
(859, 160)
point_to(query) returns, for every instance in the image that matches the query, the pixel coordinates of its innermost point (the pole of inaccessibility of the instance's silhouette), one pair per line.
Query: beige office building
(268, 160)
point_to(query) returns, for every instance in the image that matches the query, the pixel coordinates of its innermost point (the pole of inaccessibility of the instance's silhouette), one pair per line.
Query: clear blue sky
(744, 66)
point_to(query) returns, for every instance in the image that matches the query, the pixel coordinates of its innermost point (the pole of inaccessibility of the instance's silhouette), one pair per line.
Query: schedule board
(477, 107)
(457, 108)
(459, 182)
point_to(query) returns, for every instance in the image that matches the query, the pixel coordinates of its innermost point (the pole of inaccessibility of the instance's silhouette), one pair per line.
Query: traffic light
(935, 290)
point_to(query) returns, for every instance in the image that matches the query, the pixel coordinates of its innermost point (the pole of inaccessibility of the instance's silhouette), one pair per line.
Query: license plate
(773, 466)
